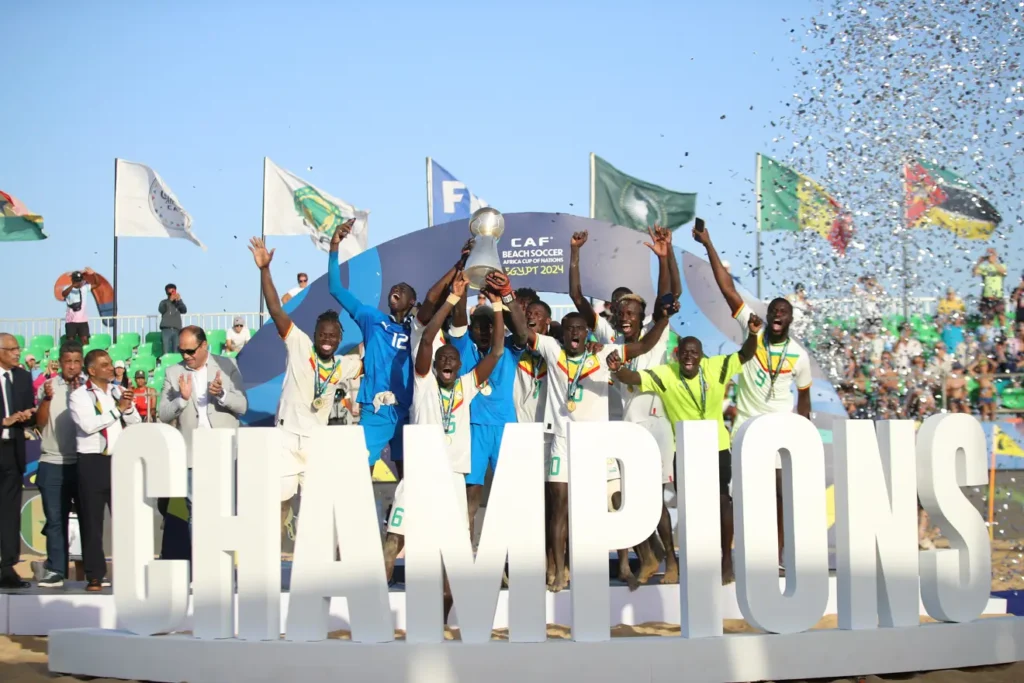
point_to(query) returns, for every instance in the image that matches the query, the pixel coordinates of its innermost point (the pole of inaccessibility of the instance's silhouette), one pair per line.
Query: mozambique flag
(17, 224)
(787, 200)
(937, 196)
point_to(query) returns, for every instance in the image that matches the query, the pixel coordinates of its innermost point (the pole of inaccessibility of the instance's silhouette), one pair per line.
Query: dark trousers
(170, 339)
(93, 497)
(10, 509)
(58, 487)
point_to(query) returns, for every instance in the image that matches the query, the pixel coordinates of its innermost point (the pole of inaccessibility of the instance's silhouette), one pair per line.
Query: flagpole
(757, 228)
(114, 321)
(430, 194)
(592, 200)
(263, 230)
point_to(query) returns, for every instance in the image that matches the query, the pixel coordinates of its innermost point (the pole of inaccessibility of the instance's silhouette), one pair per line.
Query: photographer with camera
(76, 320)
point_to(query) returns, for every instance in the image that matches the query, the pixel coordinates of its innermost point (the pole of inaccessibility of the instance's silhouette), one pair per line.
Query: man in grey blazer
(203, 391)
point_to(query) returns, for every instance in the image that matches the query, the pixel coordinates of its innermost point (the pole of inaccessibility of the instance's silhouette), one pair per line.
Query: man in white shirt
(626, 402)
(303, 281)
(238, 336)
(442, 397)
(312, 375)
(100, 410)
(577, 391)
(779, 363)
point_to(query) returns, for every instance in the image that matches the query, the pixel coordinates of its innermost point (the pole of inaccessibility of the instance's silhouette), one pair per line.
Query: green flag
(17, 224)
(633, 203)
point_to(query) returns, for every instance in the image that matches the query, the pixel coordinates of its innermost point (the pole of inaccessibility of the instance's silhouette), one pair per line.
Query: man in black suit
(17, 408)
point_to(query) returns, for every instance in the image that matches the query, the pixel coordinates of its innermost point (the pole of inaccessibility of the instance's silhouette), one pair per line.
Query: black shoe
(13, 583)
(94, 586)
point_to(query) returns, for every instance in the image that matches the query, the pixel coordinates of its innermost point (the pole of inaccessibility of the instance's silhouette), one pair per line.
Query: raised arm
(344, 297)
(425, 352)
(668, 267)
(749, 347)
(622, 371)
(180, 305)
(651, 339)
(575, 288)
(498, 284)
(483, 369)
(434, 294)
(722, 277)
(263, 259)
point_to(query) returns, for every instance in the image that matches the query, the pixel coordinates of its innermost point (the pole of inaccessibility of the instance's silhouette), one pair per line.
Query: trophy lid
(487, 222)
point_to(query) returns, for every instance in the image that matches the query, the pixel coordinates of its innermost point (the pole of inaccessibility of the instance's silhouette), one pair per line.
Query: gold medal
(571, 405)
(448, 440)
(319, 403)
(630, 388)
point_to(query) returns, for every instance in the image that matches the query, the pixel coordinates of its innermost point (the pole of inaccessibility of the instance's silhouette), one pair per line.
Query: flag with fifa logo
(448, 199)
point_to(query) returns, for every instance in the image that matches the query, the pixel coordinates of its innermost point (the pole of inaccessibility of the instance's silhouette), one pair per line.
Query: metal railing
(141, 324)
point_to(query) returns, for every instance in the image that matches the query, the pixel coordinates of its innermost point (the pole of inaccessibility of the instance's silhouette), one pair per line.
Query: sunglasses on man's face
(302, 282)
(189, 352)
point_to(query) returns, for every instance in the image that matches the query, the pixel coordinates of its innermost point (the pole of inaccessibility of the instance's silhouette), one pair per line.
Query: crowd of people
(425, 361)
(956, 360)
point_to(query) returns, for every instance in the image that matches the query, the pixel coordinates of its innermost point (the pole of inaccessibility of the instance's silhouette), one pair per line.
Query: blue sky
(511, 99)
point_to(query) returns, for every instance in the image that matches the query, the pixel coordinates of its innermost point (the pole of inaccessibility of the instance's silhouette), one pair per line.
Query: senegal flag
(936, 196)
(787, 200)
(17, 224)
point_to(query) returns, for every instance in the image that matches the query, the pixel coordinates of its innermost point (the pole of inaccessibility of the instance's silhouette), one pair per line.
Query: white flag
(145, 207)
(291, 206)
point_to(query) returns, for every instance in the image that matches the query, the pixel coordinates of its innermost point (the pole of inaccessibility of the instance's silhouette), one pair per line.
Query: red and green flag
(17, 223)
(787, 200)
(937, 196)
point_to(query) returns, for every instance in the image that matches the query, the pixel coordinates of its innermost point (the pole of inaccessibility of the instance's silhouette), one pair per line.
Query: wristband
(508, 298)
(453, 299)
(498, 306)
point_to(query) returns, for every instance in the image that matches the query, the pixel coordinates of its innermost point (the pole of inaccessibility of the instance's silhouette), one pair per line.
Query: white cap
(119, 364)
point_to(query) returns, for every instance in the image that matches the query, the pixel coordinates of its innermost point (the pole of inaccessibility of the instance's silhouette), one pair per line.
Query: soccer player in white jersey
(443, 398)
(577, 391)
(311, 378)
(646, 410)
(779, 363)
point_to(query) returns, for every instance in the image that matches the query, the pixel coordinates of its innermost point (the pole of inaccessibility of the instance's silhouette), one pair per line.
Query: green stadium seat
(253, 331)
(42, 340)
(119, 352)
(170, 359)
(54, 353)
(158, 379)
(231, 354)
(216, 336)
(1013, 398)
(131, 339)
(20, 339)
(147, 363)
(25, 353)
(100, 340)
(216, 347)
(145, 349)
(154, 338)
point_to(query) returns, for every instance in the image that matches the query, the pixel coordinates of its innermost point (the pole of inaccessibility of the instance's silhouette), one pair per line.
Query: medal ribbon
(446, 412)
(774, 374)
(535, 372)
(320, 382)
(575, 382)
(703, 392)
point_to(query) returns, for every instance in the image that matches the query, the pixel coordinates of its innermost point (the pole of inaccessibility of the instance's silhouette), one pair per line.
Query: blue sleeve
(344, 297)
(511, 347)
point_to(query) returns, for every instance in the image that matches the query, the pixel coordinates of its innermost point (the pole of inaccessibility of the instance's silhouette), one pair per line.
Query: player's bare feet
(647, 570)
(671, 575)
(629, 579)
(728, 575)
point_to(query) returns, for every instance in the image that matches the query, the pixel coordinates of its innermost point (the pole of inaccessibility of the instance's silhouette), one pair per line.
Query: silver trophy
(487, 226)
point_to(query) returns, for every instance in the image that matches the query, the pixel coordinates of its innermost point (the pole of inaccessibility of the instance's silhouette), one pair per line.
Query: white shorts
(557, 458)
(293, 463)
(398, 516)
(661, 429)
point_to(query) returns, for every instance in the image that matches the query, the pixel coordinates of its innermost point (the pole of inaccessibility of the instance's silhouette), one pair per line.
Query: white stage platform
(37, 613)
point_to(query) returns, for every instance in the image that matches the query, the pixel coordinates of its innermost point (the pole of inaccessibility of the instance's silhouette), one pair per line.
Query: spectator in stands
(76, 319)
(57, 477)
(941, 363)
(18, 407)
(238, 336)
(984, 375)
(32, 365)
(956, 390)
(869, 294)
(303, 280)
(950, 304)
(1018, 302)
(992, 274)
(170, 310)
(120, 374)
(802, 311)
(952, 334)
(906, 348)
(1005, 362)
(886, 382)
(100, 410)
(481, 302)
(145, 397)
(52, 370)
